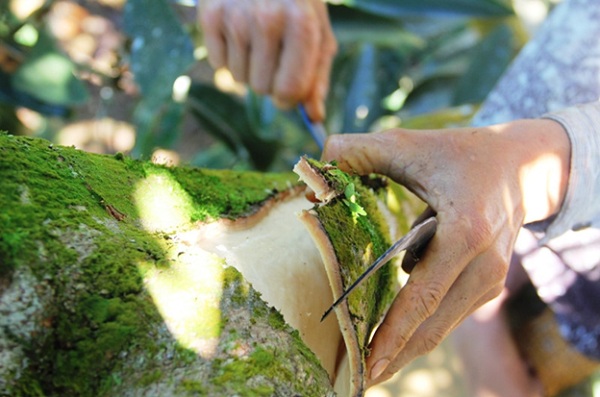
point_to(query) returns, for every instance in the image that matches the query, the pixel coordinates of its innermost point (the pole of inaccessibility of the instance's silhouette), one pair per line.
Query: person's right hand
(282, 48)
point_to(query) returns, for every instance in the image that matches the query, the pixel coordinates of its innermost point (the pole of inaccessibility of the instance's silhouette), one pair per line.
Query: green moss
(227, 193)
(257, 362)
(71, 219)
(28, 387)
(358, 240)
(151, 377)
(264, 367)
(193, 387)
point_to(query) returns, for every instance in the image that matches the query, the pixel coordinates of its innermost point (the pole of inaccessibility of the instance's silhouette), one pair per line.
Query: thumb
(398, 154)
(362, 153)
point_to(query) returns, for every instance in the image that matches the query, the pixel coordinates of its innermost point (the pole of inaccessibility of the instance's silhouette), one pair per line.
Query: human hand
(282, 48)
(482, 184)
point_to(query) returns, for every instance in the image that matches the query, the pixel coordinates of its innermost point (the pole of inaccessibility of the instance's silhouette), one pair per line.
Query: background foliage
(416, 63)
(132, 76)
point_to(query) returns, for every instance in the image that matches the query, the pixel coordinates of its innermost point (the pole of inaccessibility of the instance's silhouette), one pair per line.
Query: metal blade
(417, 237)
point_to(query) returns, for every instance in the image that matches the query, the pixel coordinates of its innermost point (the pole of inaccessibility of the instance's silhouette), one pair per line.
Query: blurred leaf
(431, 95)
(446, 53)
(262, 115)
(9, 120)
(226, 118)
(27, 35)
(161, 50)
(489, 59)
(438, 68)
(397, 9)
(11, 96)
(363, 75)
(162, 126)
(362, 99)
(218, 156)
(445, 118)
(355, 26)
(221, 114)
(47, 75)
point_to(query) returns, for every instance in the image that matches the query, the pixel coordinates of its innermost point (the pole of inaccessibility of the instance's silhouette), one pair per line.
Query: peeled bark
(120, 277)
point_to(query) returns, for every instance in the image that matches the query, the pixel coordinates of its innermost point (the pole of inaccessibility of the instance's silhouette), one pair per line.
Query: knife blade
(414, 240)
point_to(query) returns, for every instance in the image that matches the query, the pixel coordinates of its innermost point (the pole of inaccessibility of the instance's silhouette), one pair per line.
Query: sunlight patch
(161, 202)
(188, 296)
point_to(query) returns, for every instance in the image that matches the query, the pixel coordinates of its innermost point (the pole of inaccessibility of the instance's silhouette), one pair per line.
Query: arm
(282, 48)
(483, 184)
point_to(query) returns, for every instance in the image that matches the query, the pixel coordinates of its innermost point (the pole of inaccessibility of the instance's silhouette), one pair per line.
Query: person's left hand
(482, 184)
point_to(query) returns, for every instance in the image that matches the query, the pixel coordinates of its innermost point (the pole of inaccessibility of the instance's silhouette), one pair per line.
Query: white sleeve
(581, 205)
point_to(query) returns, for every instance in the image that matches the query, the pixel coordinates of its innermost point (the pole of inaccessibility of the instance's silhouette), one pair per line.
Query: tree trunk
(120, 277)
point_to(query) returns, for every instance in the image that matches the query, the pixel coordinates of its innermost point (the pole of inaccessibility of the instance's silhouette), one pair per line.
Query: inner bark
(275, 252)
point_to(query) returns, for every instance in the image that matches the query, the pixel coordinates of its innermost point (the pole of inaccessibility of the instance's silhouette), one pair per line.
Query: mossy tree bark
(107, 286)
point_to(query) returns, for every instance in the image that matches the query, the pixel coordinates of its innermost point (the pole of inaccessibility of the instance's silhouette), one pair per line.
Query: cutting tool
(316, 129)
(414, 240)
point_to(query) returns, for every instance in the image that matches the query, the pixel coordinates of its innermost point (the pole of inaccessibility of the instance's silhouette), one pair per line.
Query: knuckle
(270, 20)
(478, 233)
(495, 291)
(431, 338)
(211, 17)
(427, 299)
(400, 340)
(497, 272)
(237, 25)
(304, 25)
(494, 273)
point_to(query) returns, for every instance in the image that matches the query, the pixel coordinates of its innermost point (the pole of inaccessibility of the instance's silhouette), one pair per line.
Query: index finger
(425, 310)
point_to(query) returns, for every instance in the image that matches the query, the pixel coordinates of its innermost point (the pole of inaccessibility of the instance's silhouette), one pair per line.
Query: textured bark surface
(103, 292)
(99, 297)
(351, 232)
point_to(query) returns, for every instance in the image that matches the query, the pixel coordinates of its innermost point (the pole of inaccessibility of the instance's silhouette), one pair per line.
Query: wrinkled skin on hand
(483, 184)
(282, 48)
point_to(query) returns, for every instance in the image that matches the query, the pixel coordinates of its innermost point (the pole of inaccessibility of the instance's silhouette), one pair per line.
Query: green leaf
(349, 192)
(15, 98)
(161, 50)
(489, 59)
(218, 156)
(262, 115)
(403, 8)
(356, 209)
(48, 75)
(227, 119)
(157, 127)
(355, 26)
(446, 117)
(362, 102)
(222, 115)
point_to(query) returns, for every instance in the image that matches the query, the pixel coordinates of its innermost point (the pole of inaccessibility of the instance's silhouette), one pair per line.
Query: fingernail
(379, 368)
